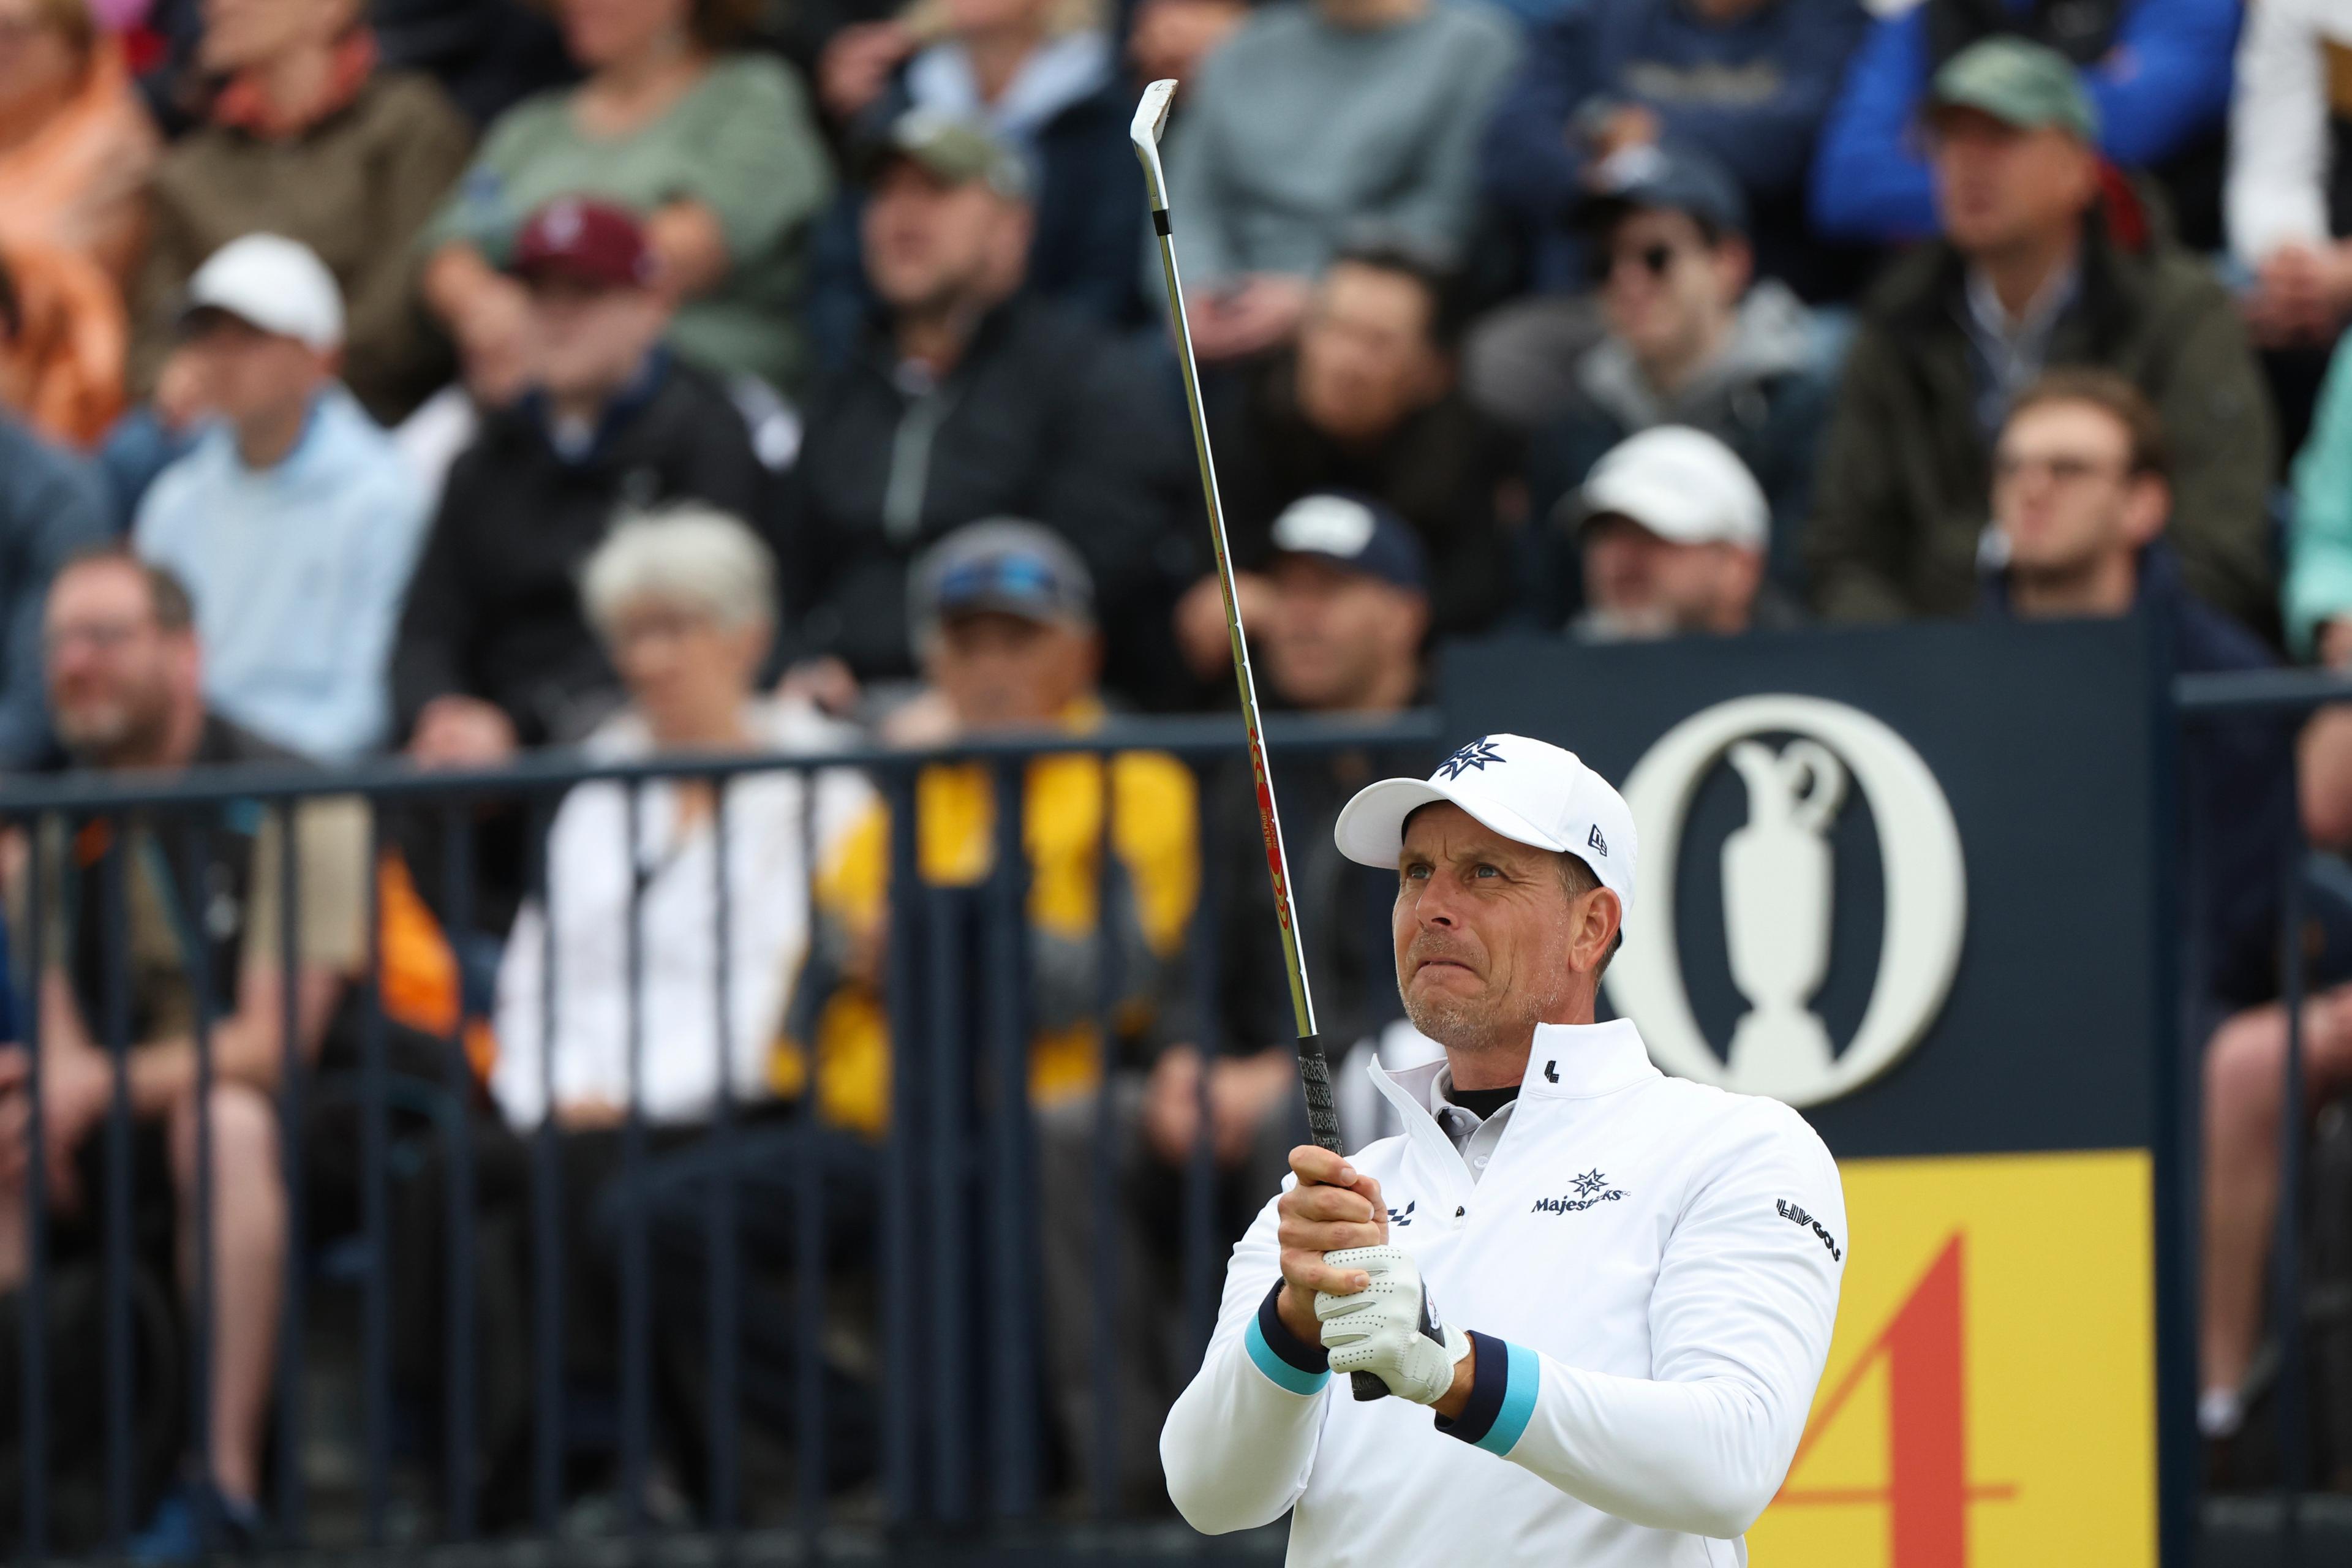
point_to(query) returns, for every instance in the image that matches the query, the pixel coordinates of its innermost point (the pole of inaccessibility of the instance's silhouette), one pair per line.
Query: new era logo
(1596, 844)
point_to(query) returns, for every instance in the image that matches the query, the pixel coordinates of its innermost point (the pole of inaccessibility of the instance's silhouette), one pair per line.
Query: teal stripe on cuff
(1280, 1372)
(1518, 1401)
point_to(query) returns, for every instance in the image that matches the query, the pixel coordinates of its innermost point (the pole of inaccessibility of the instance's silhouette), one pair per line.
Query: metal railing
(964, 1424)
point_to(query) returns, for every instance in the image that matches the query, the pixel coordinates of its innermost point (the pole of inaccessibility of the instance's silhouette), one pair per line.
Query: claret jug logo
(1777, 889)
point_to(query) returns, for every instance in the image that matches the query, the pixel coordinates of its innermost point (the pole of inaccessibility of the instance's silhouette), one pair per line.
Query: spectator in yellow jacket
(1003, 618)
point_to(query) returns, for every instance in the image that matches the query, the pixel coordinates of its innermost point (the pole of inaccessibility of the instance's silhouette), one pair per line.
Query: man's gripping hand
(1390, 1328)
(1334, 1207)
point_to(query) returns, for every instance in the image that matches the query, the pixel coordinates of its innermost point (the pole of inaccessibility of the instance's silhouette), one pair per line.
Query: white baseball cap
(1531, 792)
(277, 284)
(1681, 484)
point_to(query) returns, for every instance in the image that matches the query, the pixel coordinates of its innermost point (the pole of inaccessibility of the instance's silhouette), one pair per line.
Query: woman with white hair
(684, 602)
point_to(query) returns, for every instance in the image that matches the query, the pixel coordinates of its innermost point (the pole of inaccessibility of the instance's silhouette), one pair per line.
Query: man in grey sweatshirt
(1315, 121)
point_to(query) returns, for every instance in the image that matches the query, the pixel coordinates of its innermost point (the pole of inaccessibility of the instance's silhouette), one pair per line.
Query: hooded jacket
(1766, 396)
(1903, 491)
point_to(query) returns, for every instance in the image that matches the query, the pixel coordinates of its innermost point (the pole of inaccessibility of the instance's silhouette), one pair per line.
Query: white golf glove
(1390, 1328)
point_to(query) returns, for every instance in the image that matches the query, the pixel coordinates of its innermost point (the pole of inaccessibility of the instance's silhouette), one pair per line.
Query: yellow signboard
(1991, 1395)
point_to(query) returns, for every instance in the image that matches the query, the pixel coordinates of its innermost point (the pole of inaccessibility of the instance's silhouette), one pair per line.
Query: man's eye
(1486, 871)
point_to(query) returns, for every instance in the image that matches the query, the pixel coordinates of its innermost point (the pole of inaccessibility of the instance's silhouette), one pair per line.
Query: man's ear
(2148, 507)
(1600, 917)
(1734, 266)
(1743, 574)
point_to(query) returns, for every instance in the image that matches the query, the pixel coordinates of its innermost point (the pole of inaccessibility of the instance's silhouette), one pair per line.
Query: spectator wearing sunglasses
(1689, 337)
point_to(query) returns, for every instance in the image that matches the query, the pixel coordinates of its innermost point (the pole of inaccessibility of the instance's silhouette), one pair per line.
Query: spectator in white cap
(1699, 1235)
(294, 521)
(1675, 534)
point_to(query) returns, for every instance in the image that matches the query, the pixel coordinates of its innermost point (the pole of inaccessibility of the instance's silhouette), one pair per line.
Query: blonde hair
(690, 553)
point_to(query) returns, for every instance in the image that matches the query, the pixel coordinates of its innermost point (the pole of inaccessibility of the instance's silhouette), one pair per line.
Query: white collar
(1565, 1061)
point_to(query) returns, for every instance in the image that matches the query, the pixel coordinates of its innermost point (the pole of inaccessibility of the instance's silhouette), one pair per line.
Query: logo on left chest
(1590, 1188)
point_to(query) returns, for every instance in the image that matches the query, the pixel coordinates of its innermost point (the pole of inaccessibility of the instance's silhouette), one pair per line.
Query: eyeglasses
(1656, 259)
(2058, 470)
(102, 637)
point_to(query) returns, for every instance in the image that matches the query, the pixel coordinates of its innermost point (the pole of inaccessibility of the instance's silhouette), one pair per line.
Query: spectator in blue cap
(1688, 340)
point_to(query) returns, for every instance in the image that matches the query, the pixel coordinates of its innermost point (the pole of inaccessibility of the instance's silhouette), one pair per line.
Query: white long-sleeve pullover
(2294, 59)
(1648, 1268)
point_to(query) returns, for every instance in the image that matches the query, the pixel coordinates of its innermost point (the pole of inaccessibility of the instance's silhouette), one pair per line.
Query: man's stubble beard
(1484, 1023)
(119, 738)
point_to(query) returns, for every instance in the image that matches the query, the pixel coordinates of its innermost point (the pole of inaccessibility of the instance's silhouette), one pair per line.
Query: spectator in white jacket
(2290, 85)
(683, 600)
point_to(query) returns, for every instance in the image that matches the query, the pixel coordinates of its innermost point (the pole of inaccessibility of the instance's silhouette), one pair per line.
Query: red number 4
(1927, 1492)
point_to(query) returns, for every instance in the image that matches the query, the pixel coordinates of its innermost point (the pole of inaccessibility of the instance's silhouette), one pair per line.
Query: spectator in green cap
(2155, 73)
(2046, 259)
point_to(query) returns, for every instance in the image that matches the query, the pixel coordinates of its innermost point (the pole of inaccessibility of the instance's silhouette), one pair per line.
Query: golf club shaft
(1314, 1072)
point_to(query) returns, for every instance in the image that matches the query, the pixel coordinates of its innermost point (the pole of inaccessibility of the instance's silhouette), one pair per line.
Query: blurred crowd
(459, 378)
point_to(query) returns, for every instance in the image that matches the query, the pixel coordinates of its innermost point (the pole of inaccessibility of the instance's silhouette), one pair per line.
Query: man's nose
(1435, 905)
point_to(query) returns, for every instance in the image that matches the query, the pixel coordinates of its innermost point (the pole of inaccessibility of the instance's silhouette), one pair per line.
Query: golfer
(1614, 1289)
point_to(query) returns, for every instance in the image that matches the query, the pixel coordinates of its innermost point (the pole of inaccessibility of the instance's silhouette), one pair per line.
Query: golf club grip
(1323, 1126)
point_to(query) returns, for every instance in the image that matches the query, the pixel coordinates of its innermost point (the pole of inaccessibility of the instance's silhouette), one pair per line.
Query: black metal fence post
(905, 1369)
(121, 1397)
(1013, 1261)
(809, 1273)
(375, 1201)
(722, 1236)
(458, 1413)
(1104, 1455)
(293, 1498)
(35, 1407)
(636, 1315)
(196, 878)
(546, 1212)
(1203, 1276)
(2295, 1432)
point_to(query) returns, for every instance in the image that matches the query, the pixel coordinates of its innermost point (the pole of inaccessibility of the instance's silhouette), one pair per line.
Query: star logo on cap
(1476, 754)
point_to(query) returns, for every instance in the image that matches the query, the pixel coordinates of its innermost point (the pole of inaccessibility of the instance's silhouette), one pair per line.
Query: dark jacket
(51, 506)
(494, 610)
(1750, 93)
(1044, 417)
(1903, 491)
(1445, 470)
(1767, 397)
(2238, 819)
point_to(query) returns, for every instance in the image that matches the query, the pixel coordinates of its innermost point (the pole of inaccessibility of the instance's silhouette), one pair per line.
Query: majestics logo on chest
(1592, 1188)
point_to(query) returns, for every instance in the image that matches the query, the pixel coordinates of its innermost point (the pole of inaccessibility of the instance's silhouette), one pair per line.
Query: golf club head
(1151, 114)
(1151, 119)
